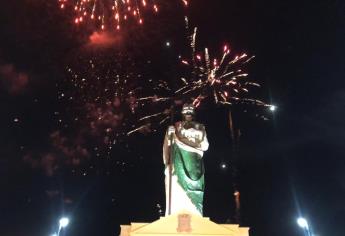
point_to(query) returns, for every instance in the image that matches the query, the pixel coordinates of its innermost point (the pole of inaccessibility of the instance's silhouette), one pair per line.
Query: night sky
(290, 164)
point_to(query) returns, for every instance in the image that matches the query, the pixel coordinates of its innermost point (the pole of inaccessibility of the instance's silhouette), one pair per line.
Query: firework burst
(108, 96)
(109, 13)
(99, 96)
(223, 79)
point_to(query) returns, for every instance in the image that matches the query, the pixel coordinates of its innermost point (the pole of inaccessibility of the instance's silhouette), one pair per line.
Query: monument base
(183, 223)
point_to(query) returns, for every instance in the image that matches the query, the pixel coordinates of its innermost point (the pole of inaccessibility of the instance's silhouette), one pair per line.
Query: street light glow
(302, 222)
(273, 108)
(64, 221)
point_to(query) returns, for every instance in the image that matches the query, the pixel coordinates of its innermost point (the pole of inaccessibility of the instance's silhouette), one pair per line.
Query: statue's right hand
(171, 130)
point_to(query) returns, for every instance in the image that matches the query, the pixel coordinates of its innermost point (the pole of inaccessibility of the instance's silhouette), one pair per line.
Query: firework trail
(155, 110)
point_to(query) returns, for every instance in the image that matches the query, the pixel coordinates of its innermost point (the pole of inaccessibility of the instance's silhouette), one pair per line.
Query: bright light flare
(303, 223)
(63, 222)
(273, 108)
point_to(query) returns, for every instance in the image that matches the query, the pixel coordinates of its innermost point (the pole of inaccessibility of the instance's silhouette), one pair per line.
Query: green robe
(189, 169)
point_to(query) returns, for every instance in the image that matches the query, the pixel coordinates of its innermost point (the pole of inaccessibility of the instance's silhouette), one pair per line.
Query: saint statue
(183, 149)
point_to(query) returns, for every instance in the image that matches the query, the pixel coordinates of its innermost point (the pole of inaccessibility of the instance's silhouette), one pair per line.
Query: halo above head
(188, 109)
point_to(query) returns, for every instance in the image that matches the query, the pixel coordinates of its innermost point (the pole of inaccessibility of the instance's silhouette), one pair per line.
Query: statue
(183, 149)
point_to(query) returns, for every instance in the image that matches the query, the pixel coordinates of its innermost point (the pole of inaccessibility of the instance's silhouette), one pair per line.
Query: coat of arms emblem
(184, 223)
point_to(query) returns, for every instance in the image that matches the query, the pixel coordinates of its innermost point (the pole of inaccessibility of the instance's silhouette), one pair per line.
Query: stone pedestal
(183, 223)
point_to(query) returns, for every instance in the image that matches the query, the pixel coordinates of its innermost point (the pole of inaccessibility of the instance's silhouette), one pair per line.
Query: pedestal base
(183, 223)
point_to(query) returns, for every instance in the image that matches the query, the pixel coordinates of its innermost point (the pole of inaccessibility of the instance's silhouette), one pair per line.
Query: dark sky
(290, 165)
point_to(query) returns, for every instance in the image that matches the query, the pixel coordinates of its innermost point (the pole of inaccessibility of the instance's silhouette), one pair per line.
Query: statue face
(188, 117)
(188, 112)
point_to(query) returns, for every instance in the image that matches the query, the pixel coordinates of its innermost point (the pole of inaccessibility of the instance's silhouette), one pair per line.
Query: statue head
(188, 112)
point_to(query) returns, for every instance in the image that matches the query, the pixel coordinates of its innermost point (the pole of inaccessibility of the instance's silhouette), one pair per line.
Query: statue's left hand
(171, 130)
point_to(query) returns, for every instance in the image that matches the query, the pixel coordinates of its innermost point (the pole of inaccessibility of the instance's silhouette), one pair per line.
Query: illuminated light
(62, 6)
(198, 57)
(140, 21)
(223, 166)
(303, 223)
(273, 108)
(167, 44)
(63, 222)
